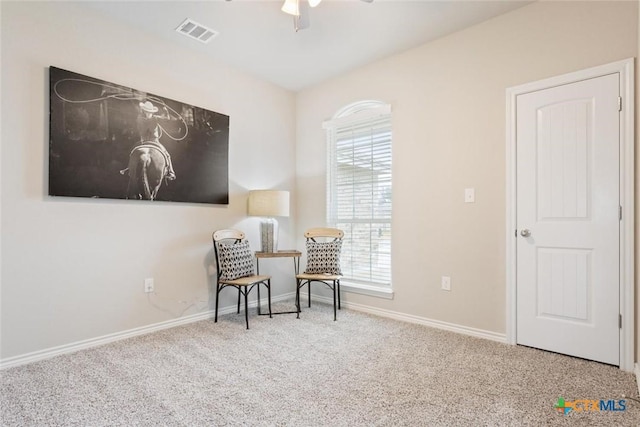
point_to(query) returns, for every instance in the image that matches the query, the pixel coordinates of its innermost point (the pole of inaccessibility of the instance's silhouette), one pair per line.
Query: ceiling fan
(300, 11)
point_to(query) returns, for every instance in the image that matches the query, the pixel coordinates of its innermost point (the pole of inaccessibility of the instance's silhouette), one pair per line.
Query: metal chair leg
(268, 295)
(309, 286)
(338, 285)
(215, 319)
(298, 285)
(334, 302)
(259, 298)
(239, 292)
(246, 306)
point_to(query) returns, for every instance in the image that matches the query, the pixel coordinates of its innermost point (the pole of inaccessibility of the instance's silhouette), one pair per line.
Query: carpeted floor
(359, 371)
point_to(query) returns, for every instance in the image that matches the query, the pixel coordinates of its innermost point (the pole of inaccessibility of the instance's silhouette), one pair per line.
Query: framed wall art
(110, 141)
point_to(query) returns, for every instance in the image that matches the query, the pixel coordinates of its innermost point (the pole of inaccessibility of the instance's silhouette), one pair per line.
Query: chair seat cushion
(323, 257)
(323, 276)
(246, 281)
(235, 261)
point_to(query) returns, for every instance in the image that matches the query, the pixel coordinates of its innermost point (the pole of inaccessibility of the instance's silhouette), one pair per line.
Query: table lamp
(268, 204)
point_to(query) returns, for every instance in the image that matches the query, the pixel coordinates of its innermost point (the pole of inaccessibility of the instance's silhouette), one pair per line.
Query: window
(359, 191)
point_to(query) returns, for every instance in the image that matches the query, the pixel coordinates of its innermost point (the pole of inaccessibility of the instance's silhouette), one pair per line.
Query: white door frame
(626, 70)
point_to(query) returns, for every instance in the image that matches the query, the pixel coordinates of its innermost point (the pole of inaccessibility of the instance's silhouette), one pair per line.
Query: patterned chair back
(234, 259)
(323, 250)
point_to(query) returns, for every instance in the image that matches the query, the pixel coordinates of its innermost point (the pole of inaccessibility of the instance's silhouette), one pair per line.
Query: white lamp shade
(314, 3)
(292, 7)
(268, 203)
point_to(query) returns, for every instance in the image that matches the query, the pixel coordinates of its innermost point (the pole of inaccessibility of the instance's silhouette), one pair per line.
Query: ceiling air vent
(196, 31)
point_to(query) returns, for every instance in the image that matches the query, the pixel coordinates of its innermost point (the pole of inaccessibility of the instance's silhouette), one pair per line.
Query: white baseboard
(438, 324)
(48, 353)
(636, 370)
(105, 339)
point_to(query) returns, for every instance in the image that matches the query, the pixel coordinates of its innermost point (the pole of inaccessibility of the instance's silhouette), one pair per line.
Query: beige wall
(73, 269)
(637, 205)
(448, 101)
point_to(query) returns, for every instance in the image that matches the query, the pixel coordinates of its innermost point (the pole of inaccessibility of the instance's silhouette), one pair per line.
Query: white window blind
(359, 192)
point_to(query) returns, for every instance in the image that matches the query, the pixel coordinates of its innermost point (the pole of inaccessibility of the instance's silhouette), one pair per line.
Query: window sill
(374, 291)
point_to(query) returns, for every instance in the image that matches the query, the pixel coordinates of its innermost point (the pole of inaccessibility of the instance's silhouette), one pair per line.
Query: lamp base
(269, 235)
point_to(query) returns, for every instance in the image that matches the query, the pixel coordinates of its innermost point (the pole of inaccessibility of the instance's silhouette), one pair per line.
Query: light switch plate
(148, 285)
(446, 283)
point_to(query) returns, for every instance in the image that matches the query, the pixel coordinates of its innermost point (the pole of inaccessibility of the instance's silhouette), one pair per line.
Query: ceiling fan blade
(302, 21)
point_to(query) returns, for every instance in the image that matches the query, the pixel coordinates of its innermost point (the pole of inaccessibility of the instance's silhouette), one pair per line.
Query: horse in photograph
(147, 170)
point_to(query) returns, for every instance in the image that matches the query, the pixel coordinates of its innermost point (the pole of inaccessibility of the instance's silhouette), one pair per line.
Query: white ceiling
(255, 36)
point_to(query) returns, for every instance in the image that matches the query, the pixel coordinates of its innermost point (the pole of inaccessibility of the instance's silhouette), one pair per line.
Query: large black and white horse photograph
(111, 141)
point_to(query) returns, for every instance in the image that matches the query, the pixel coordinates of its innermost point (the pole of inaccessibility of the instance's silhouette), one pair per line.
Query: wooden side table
(286, 253)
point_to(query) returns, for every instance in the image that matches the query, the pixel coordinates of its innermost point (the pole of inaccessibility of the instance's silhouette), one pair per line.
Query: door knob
(525, 233)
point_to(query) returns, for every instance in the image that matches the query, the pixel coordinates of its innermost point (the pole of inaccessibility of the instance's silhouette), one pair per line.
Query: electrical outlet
(469, 195)
(446, 283)
(148, 285)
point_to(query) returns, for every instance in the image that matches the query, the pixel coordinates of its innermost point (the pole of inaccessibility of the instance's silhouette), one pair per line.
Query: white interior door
(567, 216)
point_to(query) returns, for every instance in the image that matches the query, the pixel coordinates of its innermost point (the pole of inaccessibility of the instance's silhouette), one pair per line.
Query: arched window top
(358, 107)
(357, 112)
